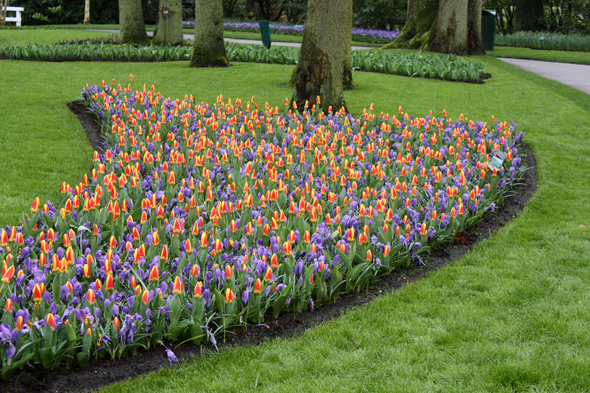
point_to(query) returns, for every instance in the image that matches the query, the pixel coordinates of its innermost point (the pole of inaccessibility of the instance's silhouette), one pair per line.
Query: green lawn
(44, 36)
(545, 55)
(511, 315)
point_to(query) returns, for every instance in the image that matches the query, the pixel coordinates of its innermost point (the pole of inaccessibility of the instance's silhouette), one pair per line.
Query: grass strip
(544, 55)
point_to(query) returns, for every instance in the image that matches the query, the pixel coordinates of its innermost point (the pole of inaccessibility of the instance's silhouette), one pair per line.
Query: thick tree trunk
(324, 67)
(419, 20)
(131, 22)
(449, 31)
(209, 49)
(169, 30)
(474, 41)
(87, 12)
(529, 15)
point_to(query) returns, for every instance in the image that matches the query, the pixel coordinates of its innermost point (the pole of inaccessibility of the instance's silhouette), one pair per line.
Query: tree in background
(131, 26)
(529, 15)
(455, 27)
(324, 67)
(209, 47)
(419, 19)
(380, 14)
(169, 31)
(87, 12)
(3, 5)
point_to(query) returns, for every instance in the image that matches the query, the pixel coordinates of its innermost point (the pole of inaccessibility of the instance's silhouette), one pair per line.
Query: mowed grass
(44, 36)
(545, 55)
(511, 315)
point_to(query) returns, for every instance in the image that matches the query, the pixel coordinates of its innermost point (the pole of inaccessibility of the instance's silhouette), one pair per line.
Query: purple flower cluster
(358, 34)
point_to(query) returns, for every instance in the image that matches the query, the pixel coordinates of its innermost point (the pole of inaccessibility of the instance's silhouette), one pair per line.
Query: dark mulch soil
(100, 373)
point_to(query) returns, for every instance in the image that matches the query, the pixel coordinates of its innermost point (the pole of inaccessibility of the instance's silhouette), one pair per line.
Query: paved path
(574, 75)
(238, 41)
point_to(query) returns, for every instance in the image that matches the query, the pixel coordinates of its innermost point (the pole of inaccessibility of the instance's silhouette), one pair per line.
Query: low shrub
(415, 64)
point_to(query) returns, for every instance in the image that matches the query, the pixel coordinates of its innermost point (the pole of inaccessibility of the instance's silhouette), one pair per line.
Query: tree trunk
(529, 15)
(209, 49)
(87, 12)
(419, 20)
(324, 67)
(449, 31)
(474, 41)
(131, 22)
(169, 31)
(3, 5)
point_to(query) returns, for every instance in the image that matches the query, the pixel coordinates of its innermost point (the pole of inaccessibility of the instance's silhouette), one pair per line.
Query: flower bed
(358, 34)
(200, 217)
(545, 40)
(414, 64)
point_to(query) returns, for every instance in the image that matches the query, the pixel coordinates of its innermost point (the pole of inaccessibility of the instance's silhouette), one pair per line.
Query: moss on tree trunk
(419, 20)
(131, 23)
(169, 30)
(209, 48)
(324, 67)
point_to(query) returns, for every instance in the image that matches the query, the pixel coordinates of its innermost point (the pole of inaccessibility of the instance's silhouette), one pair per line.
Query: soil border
(100, 373)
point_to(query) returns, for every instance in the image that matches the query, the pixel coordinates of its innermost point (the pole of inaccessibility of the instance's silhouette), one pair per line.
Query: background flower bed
(411, 63)
(545, 40)
(116, 263)
(358, 34)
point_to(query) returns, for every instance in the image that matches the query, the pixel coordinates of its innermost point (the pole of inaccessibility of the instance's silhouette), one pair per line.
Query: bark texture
(420, 17)
(209, 48)
(3, 5)
(131, 22)
(324, 67)
(87, 12)
(474, 41)
(449, 30)
(169, 31)
(528, 15)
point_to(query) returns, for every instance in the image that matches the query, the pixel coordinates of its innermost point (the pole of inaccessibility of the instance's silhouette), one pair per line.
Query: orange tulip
(154, 274)
(178, 286)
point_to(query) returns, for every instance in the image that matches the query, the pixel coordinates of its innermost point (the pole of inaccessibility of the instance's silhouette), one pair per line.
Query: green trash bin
(488, 25)
(265, 33)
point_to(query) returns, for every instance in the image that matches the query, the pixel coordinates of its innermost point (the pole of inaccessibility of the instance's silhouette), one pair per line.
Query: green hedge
(539, 40)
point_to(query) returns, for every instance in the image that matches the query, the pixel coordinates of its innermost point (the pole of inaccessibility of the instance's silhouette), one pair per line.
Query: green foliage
(567, 16)
(418, 64)
(414, 64)
(545, 40)
(561, 16)
(101, 11)
(380, 14)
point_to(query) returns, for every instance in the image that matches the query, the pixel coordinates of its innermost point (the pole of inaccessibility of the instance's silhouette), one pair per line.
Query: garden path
(574, 75)
(238, 41)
